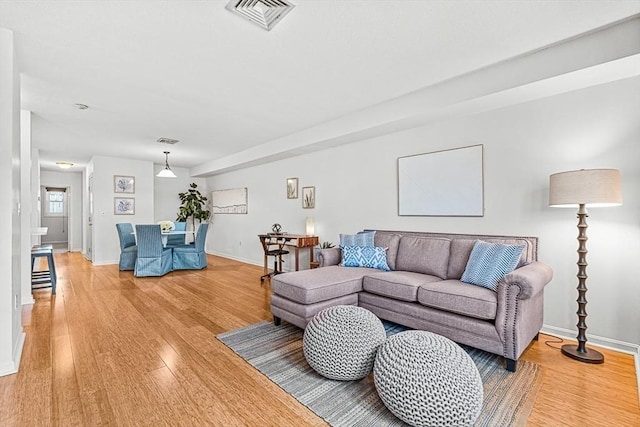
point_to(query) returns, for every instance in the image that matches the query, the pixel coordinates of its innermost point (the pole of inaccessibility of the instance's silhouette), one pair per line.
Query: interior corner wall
(105, 243)
(11, 335)
(356, 188)
(165, 199)
(73, 180)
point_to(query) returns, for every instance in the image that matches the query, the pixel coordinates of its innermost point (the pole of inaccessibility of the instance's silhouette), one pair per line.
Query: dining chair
(153, 259)
(174, 240)
(192, 257)
(128, 247)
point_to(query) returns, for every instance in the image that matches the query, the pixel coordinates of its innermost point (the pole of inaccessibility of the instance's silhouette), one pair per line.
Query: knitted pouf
(341, 342)
(428, 380)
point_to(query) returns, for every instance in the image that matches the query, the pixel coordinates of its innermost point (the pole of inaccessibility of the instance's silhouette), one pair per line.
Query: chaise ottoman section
(301, 295)
(319, 284)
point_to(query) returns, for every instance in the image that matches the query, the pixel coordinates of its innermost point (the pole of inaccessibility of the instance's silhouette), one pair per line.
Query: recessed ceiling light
(81, 106)
(64, 165)
(164, 140)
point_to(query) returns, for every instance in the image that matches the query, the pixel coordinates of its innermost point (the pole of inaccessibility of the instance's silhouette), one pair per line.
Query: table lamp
(582, 188)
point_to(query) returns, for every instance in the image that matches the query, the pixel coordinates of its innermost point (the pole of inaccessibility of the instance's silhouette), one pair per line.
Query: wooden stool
(47, 278)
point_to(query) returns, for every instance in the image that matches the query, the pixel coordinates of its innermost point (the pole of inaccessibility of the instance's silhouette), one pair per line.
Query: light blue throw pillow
(365, 256)
(363, 238)
(489, 262)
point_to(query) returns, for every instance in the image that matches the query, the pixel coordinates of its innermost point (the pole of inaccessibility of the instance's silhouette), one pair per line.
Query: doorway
(55, 216)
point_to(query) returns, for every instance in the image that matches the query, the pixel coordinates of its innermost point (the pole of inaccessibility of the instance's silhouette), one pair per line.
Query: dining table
(165, 235)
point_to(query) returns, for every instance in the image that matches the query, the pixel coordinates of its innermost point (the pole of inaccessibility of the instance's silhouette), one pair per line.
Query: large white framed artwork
(442, 183)
(231, 201)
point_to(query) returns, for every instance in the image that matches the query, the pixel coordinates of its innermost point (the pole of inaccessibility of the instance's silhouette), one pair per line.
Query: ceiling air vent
(167, 141)
(265, 13)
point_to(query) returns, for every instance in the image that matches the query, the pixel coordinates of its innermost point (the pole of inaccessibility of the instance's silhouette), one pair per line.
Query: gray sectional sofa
(424, 291)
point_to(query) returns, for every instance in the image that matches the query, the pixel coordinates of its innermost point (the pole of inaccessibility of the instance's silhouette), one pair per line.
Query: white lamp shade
(166, 173)
(309, 227)
(591, 187)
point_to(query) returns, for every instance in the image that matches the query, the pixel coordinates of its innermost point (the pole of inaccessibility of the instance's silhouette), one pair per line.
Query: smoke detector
(264, 13)
(167, 141)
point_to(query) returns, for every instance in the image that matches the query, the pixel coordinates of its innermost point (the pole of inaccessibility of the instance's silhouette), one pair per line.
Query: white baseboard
(235, 258)
(604, 342)
(12, 367)
(595, 340)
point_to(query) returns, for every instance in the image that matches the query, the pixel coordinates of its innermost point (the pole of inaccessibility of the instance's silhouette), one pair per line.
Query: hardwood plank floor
(112, 349)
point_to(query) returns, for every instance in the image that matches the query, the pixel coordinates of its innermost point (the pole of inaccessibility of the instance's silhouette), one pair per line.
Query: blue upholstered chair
(174, 240)
(153, 259)
(192, 257)
(128, 247)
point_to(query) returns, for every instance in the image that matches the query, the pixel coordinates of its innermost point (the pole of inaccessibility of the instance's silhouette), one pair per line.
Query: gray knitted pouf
(428, 380)
(341, 342)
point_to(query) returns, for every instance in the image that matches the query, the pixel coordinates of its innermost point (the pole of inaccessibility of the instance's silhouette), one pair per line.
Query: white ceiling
(193, 71)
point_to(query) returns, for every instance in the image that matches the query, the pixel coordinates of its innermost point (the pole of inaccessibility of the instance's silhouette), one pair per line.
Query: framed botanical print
(124, 206)
(308, 197)
(292, 188)
(124, 184)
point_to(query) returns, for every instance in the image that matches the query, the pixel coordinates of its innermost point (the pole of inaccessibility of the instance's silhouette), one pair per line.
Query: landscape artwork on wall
(231, 201)
(124, 205)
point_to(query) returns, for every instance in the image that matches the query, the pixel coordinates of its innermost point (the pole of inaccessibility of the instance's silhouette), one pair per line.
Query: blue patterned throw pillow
(489, 262)
(363, 238)
(365, 256)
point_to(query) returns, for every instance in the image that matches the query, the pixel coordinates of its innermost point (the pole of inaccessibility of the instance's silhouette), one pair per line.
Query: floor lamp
(582, 188)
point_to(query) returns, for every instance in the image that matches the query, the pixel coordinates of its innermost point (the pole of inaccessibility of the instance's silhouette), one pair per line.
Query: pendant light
(166, 172)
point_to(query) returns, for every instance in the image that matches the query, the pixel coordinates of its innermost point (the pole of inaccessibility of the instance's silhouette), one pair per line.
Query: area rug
(276, 351)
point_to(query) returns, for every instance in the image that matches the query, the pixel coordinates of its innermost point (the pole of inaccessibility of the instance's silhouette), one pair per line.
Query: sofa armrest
(531, 279)
(330, 256)
(521, 307)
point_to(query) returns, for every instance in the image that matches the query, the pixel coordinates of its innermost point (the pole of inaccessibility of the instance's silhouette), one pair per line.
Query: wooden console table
(296, 241)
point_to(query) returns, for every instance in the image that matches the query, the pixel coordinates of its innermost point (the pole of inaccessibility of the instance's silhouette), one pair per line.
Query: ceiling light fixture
(166, 172)
(81, 106)
(64, 165)
(264, 13)
(169, 141)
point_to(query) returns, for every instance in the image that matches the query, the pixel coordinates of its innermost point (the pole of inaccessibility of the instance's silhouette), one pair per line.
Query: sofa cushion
(458, 297)
(389, 241)
(401, 285)
(428, 255)
(489, 262)
(364, 256)
(319, 284)
(363, 238)
(459, 252)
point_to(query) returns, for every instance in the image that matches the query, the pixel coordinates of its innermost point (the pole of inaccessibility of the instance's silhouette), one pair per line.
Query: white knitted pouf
(341, 342)
(426, 379)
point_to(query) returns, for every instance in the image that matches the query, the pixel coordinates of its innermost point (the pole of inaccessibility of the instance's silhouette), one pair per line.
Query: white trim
(235, 258)
(12, 367)
(608, 343)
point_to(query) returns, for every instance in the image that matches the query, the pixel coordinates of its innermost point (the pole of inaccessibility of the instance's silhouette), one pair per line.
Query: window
(54, 202)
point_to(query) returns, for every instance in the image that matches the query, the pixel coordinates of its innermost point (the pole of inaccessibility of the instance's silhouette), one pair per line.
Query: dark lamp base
(589, 356)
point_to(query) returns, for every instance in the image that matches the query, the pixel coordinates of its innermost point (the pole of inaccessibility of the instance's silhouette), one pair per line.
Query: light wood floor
(111, 349)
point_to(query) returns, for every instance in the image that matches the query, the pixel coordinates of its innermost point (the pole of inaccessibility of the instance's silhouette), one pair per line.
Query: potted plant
(193, 206)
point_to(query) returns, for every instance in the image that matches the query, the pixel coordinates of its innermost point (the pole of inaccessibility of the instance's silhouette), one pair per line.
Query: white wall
(166, 201)
(73, 180)
(106, 246)
(356, 188)
(11, 276)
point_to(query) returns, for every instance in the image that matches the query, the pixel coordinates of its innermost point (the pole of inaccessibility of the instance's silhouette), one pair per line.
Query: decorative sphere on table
(341, 342)
(276, 228)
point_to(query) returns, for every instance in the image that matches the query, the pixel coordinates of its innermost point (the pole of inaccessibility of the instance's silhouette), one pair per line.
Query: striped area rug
(276, 351)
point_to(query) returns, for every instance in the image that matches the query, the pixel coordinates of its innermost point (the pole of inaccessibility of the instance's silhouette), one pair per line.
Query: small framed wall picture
(124, 206)
(292, 188)
(308, 197)
(124, 184)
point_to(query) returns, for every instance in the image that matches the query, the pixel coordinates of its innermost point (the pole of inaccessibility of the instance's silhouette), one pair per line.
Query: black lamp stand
(581, 352)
